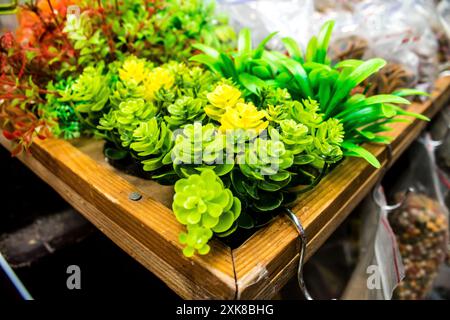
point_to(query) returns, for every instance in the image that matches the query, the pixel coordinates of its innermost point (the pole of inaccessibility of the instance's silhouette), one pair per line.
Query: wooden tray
(148, 231)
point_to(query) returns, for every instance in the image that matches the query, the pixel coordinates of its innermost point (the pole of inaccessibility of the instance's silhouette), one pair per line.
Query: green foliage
(146, 104)
(246, 66)
(327, 143)
(65, 120)
(306, 134)
(88, 38)
(294, 136)
(89, 95)
(160, 30)
(310, 75)
(263, 174)
(54, 44)
(153, 143)
(122, 121)
(185, 110)
(205, 131)
(205, 206)
(200, 147)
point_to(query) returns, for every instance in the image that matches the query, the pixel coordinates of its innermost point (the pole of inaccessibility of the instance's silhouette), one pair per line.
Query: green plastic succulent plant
(205, 206)
(158, 30)
(66, 123)
(294, 136)
(120, 123)
(264, 165)
(185, 110)
(89, 95)
(272, 170)
(311, 76)
(327, 142)
(153, 143)
(192, 80)
(199, 147)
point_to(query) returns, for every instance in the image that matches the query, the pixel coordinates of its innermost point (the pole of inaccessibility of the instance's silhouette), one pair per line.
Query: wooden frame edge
(66, 169)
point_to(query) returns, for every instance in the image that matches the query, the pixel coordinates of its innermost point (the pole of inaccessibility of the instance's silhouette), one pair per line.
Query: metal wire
(303, 241)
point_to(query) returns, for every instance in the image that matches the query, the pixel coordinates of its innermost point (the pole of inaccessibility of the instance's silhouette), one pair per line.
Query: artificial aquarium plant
(57, 40)
(185, 123)
(311, 75)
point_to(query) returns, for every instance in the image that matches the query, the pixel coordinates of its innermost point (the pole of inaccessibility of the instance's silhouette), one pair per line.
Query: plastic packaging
(291, 18)
(379, 269)
(421, 223)
(399, 31)
(443, 33)
(440, 133)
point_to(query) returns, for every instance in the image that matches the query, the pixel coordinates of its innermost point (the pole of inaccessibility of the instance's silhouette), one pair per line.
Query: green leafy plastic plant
(66, 123)
(310, 75)
(185, 110)
(205, 206)
(200, 147)
(120, 123)
(158, 30)
(264, 166)
(89, 95)
(153, 142)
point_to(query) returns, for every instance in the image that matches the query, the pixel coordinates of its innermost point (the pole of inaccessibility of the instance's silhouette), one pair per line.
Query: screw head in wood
(135, 196)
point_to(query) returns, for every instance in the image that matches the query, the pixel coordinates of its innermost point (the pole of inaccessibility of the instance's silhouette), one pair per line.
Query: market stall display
(206, 140)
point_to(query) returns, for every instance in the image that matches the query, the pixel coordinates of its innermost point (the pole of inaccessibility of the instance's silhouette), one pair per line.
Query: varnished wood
(265, 262)
(148, 231)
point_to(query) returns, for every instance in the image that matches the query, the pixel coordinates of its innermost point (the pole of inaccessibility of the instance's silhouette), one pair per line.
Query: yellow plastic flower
(223, 97)
(134, 69)
(244, 116)
(158, 78)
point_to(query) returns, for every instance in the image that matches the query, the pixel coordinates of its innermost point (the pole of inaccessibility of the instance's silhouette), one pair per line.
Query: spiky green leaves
(310, 75)
(205, 206)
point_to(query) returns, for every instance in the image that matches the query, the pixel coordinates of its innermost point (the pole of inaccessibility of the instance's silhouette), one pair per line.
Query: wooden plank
(146, 229)
(265, 262)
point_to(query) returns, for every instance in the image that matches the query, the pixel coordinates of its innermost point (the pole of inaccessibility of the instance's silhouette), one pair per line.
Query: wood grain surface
(145, 229)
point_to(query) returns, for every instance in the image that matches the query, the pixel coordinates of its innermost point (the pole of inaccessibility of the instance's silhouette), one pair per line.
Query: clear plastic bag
(291, 18)
(440, 133)
(421, 223)
(379, 269)
(400, 31)
(443, 33)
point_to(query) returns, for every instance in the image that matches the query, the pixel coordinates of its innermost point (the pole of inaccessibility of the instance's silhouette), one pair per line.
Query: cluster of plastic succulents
(239, 133)
(186, 125)
(57, 40)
